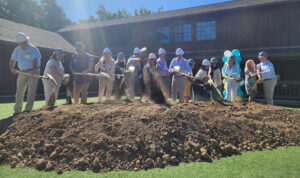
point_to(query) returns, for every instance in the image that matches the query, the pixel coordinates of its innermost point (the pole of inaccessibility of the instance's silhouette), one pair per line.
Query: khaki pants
(178, 85)
(269, 86)
(24, 82)
(83, 90)
(105, 84)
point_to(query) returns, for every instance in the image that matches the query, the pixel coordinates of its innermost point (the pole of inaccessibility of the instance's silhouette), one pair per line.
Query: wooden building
(46, 42)
(248, 25)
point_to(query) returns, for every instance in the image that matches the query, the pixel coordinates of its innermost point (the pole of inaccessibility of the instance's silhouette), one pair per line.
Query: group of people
(136, 75)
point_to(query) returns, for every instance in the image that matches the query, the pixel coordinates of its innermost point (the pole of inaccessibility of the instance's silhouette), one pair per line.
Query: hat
(262, 54)
(161, 51)
(205, 62)
(152, 56)
(106, 50)
(136, 50)
(59, 52)
(121, 55)
(80, 46)
(192, 61)
(21, 37)
(179, 51)
(213, 60)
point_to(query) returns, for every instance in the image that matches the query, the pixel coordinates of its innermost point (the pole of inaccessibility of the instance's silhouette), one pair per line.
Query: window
(162, 34)
(183, 32)
(206, 30)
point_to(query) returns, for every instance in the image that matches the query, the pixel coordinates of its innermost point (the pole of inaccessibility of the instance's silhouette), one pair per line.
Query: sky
(82, 9)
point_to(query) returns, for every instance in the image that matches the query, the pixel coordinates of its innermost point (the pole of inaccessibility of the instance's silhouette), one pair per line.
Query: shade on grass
(282, 162)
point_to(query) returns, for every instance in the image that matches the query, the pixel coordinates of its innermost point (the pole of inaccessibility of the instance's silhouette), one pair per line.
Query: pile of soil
(134, 135)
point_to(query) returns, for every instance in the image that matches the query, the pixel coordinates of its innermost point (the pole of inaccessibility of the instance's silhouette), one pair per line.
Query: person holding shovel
(55, 68)
(81, 62)
(266, 73)
(188, 82)
(178, 80)
(231, 72)
(202, 75)
(163, 71)
(216, 76)
(106, 64)
(119, 85)
(250, 79)
(28, 59)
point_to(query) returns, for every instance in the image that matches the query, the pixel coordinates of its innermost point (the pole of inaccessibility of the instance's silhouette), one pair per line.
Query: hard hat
(152, 56)
(192, 61)
(80, 46)
(59, 52)
(21, 37)
(161, 51)
(213, 60)
(121, 55)
(179, 51)
(136, 50)
(205, 62)
(106, 50)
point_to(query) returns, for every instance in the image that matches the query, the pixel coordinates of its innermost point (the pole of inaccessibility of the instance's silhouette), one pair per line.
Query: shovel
(212, 82)
(52, 98)
(101, 75)
(253, 88)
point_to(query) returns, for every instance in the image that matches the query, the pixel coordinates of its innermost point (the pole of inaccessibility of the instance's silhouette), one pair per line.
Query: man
(81, 63)
(163, 72)
(28, 58)
(178, 80)
(265, 70)
(135, 61)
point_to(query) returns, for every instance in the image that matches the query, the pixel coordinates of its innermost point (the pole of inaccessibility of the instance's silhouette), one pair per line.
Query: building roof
(177, 13)
(37, 36)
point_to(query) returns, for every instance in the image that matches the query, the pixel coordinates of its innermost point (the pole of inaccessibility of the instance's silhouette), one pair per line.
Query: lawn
(282, 162)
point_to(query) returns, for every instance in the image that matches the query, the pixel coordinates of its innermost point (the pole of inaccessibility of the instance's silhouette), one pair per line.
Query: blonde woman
(250, 79)
(106, 64)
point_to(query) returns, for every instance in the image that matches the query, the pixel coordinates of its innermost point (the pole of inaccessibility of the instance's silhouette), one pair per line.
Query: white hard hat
(179, 51)
(106, 50)
(205, 62)
(152, 56)
(161, 51)
(21, 37)
(136, 50)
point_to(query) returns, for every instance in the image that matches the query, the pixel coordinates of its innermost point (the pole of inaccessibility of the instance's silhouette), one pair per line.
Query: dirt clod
(132, 135)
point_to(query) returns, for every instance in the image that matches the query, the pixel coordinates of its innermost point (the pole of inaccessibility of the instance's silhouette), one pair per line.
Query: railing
(289, 90)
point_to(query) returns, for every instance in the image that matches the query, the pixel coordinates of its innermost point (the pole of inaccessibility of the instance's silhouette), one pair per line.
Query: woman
(106, 64)
(231, 72)
(120, 68)
(188, 82)
(217, 79)
(250, 79)
(55, 68)
(202, 75)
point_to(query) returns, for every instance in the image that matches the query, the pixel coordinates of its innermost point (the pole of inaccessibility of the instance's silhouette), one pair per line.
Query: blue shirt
(25, 57)
(267, 70)
(79, 65)
(183, 64)
(162, 67)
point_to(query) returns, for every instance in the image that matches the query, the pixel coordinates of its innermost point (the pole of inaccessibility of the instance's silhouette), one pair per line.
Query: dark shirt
(79, 65)
(119, 66)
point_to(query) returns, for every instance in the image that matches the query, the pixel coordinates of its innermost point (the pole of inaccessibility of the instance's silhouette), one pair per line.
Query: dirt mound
(134, 135)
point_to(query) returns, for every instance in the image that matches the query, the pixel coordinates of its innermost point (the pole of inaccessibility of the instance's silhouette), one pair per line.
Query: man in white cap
(163, 71)
(135, 61)
(81, 62)
(178, 80)
(266, 72)
(106, 64)
(28, 58)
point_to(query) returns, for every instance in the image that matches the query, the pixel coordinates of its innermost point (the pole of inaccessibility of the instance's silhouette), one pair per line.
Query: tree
(25, 11)
(47, 15)
(53, 15)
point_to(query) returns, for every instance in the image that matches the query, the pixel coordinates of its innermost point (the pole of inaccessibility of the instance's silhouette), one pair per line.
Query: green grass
(282, 162)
